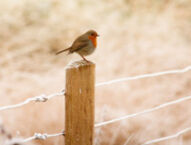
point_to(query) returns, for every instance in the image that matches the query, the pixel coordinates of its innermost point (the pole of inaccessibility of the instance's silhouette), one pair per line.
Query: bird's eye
(92, 34)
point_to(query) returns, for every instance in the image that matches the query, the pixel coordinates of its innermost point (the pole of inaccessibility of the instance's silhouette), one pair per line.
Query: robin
(83, 45)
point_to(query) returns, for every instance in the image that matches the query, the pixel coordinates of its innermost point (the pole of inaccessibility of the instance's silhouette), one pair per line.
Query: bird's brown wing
(79, 43)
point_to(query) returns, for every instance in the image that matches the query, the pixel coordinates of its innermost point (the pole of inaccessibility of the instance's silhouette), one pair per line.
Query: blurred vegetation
(137, 37)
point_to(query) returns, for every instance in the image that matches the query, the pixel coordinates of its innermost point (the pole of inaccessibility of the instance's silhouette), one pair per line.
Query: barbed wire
(176, 71)
(41, 98)
(39, 136)
(44, 98)
(168, 137)
(143, 112)
(36, 136)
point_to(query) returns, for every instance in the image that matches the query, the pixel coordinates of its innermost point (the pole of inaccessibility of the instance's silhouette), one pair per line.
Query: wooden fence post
(79, 118)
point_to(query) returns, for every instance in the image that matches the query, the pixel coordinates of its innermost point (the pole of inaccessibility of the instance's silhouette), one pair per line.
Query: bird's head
(92, 33)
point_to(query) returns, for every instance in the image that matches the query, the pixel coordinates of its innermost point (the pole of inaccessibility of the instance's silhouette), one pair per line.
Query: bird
(83, 45)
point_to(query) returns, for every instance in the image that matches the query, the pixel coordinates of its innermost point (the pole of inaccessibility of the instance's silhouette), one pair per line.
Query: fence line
(44, 136)
(176, 71)
(168, 137)
(36, 136)
(41, 98)
(143, 112)
(44, 98)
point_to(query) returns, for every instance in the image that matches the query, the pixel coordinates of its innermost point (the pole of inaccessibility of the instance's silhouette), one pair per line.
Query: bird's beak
(97, 35)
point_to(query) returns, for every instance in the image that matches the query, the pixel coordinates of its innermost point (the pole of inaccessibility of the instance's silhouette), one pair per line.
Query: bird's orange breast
(94, 40)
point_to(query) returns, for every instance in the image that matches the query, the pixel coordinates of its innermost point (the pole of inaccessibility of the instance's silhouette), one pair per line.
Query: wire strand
(168, 137)
(176, 71)
(36, 136)
(143, 112)
(41, 98)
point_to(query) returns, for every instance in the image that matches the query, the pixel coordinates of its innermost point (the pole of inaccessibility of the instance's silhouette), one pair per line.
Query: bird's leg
(84, 58)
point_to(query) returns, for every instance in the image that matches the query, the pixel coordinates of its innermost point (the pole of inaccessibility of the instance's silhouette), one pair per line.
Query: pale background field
(136, 37)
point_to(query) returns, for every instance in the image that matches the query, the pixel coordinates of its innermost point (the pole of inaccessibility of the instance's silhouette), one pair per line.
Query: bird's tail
(62, 51)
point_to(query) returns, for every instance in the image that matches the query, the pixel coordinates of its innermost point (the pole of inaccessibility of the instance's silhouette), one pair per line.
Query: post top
(77, 64)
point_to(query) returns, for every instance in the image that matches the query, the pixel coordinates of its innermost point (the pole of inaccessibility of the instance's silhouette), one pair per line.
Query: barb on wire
(36, 136)
(143, 112)
(168, 137)
(145, 76)
(41, 98)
